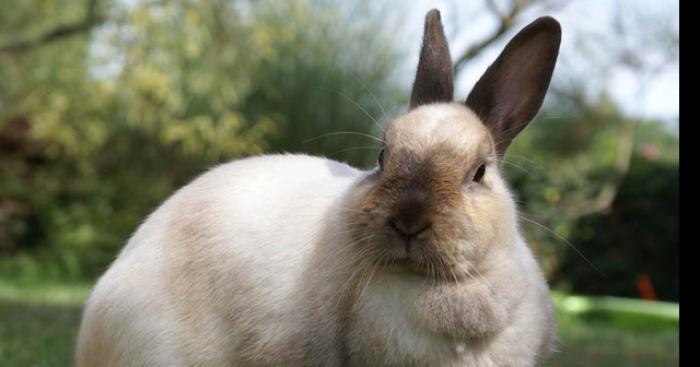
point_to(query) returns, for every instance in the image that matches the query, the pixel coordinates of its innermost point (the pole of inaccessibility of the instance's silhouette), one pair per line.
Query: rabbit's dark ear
(434, 76)
(512, 89)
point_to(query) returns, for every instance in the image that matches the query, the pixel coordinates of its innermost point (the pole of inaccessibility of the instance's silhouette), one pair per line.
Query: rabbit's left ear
(434, 80)
(512, 90)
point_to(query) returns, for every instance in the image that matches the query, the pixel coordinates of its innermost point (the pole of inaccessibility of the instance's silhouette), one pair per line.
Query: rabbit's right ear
(512, 89)
(434, 75)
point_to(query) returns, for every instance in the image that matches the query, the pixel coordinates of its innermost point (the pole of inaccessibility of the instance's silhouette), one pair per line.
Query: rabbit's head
(436, 204)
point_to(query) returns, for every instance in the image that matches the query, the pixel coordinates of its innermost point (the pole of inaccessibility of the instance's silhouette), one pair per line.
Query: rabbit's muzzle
(411, 217)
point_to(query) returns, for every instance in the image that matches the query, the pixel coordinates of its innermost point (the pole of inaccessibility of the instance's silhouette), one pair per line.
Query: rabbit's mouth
(413, 234)
(424, 256)
(435, 269)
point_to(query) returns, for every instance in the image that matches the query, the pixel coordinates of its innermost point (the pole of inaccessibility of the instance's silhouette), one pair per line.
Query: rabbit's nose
(410, 219)
(409, 229)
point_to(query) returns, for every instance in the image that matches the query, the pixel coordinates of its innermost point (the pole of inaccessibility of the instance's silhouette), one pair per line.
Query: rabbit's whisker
(359, 80)
(345, 133)
(373, 268)
(359, 264)
(365, 147)
(373, 97)
(356, 105)
(557, 235)
(517, 166)
(517, 156)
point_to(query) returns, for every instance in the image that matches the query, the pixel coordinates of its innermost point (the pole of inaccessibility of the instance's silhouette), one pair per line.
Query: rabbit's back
(217, 273)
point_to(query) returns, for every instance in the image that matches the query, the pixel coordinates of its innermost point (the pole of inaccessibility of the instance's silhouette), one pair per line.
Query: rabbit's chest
(384, 332)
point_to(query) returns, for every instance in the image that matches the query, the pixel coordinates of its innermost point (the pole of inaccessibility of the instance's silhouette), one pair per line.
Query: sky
(638, 95)
(581, 20)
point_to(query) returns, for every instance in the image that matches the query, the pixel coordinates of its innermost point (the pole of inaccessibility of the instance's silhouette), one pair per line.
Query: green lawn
(610, 331)
(39, 323)
(598, 343)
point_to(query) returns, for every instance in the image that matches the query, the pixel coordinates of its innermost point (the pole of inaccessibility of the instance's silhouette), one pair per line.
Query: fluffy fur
(258, 263)
(292, 260)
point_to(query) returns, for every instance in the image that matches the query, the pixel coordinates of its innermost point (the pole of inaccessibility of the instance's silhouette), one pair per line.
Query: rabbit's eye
(479, 175)
(380, 159)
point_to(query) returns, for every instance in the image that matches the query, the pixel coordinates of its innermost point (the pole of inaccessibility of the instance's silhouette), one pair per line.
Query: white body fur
(247, 266)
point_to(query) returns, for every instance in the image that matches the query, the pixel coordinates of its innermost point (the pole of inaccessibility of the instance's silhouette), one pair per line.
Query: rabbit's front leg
(474, 307)
(470, 309)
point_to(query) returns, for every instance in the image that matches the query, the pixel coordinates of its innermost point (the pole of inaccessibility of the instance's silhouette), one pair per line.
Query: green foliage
(315, 89)
(637, 237)
(117, 121)
(98, 128)
(565, 160)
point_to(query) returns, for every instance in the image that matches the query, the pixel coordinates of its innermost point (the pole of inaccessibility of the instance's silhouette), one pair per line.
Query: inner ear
(512, 89)
(434, 80)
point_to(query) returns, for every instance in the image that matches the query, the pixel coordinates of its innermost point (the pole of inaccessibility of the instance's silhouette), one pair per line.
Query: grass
(39, 324)
(611, 331)
(594, 341)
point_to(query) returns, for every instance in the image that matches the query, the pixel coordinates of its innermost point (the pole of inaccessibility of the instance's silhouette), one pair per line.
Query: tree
(124, 113)
(581, 163)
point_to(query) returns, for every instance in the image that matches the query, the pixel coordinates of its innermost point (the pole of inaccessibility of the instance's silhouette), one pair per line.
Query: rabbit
(294, 260)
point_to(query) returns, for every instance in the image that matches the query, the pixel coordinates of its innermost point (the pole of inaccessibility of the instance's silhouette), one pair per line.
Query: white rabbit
(292, 260)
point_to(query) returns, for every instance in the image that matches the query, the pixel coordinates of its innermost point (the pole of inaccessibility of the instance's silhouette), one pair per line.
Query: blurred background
(108, 106)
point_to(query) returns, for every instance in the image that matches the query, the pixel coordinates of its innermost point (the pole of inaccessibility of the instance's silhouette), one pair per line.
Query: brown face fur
(422, 211)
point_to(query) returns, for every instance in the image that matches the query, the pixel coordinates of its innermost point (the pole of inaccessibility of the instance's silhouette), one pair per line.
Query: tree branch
(92, 19)
(506, 20)
(603, 200)
(631, 58)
